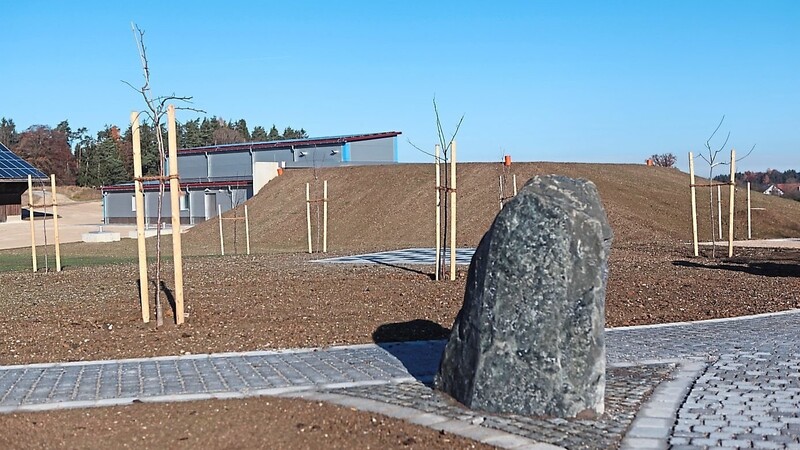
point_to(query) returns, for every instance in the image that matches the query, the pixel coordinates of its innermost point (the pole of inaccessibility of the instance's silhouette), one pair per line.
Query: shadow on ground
(413, 330)
(767, 269)
(26, 214)
(418, 345)
(401, 267)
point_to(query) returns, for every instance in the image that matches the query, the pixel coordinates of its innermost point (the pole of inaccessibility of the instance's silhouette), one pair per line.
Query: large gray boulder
(529, 337)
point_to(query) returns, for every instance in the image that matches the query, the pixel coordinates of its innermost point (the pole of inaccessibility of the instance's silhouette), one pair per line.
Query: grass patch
(11, 262)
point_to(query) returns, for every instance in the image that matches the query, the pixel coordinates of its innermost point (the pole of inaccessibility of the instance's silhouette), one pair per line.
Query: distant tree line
(760, 181)
(77, 157)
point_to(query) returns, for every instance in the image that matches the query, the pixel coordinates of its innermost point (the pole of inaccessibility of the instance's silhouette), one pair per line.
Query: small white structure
(100, 236)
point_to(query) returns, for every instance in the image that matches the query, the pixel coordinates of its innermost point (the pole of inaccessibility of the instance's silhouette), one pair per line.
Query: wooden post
(501, 192)
(174, 199)
(247, 229)
(453, 212)
(438, 265)
(749, 223)
(692, 189)
(221, 240)
(325, 216)
(514, 180)
(55, 222)
(33, 226)
(719, 209)
(730, 205)
(308, 216)
(140, 219)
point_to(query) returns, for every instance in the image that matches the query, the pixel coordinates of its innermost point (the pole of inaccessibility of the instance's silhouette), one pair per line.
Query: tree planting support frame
(444, 191)
(32, 215)
(506, 167)
(324, 201)
(174, 189)
(246, 219)
(711, 184)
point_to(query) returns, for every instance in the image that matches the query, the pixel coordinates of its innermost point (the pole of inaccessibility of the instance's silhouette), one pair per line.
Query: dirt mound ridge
(380, 207)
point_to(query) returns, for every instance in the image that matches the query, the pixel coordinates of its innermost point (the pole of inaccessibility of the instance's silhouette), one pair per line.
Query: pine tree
(259, 134)
(274, 135)
(289, 133)
(241, 128)
(207, 128)
(190, 134)
(8, 132)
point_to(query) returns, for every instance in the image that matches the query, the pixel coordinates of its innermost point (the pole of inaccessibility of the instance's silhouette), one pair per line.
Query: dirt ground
(237, 303)
(260, 423)
(282, 301)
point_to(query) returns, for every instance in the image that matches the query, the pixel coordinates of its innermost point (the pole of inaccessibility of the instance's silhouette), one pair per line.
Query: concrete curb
(461, 428)
(653, 424)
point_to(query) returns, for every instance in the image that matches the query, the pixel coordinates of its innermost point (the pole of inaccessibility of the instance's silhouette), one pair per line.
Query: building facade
(217, 178)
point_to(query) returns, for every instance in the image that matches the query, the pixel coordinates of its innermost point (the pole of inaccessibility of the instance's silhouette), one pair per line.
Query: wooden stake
(140, 219)
(730, 205)
(501, 192)
(325, 216)
(438, 266)
(175, 194)
(719, 209)
(221, 240)
(55, 222)
(749, 223)
(692, 189)
(514, 180)
(247, 229)
(33, 226)
(308, 215)
(453, 212)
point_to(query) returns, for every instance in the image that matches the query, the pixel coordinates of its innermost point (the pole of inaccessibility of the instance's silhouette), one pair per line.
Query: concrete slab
(100, 236)
(759, 243)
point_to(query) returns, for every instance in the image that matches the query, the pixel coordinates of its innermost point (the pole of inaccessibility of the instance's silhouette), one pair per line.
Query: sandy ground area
(74, 220)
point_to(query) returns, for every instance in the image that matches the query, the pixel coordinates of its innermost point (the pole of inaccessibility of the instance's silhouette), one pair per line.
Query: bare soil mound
(392, 206)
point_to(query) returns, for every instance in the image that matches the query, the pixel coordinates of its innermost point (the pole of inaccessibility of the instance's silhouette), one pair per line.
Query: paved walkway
(408, 256)
(727, 383)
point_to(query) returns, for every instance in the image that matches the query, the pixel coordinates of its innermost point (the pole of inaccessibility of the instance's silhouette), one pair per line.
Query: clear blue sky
(611, 81)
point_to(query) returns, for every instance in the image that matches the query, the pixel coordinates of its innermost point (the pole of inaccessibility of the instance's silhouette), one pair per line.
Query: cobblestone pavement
(626, 389)
(728, 383)
(405, 256)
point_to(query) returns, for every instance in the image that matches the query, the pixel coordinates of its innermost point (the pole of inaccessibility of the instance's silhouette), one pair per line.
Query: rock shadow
(418, 345)
(760, 268)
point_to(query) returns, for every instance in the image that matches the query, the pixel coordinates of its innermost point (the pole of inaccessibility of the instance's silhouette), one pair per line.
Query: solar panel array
(13, 167)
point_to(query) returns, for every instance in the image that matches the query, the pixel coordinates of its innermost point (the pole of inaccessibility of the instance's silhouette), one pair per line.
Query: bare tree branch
(739, 159)
(421, 150)
(708, 141)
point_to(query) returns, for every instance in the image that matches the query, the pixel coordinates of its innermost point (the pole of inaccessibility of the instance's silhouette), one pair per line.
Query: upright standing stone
(529, 337)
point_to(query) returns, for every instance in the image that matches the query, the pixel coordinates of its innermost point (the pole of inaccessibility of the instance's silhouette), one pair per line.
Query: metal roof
(288, 143)
(153, 185)
(14, 168)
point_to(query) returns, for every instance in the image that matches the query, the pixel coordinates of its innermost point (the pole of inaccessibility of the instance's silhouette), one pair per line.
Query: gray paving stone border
(628, 386)
(462, 428)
